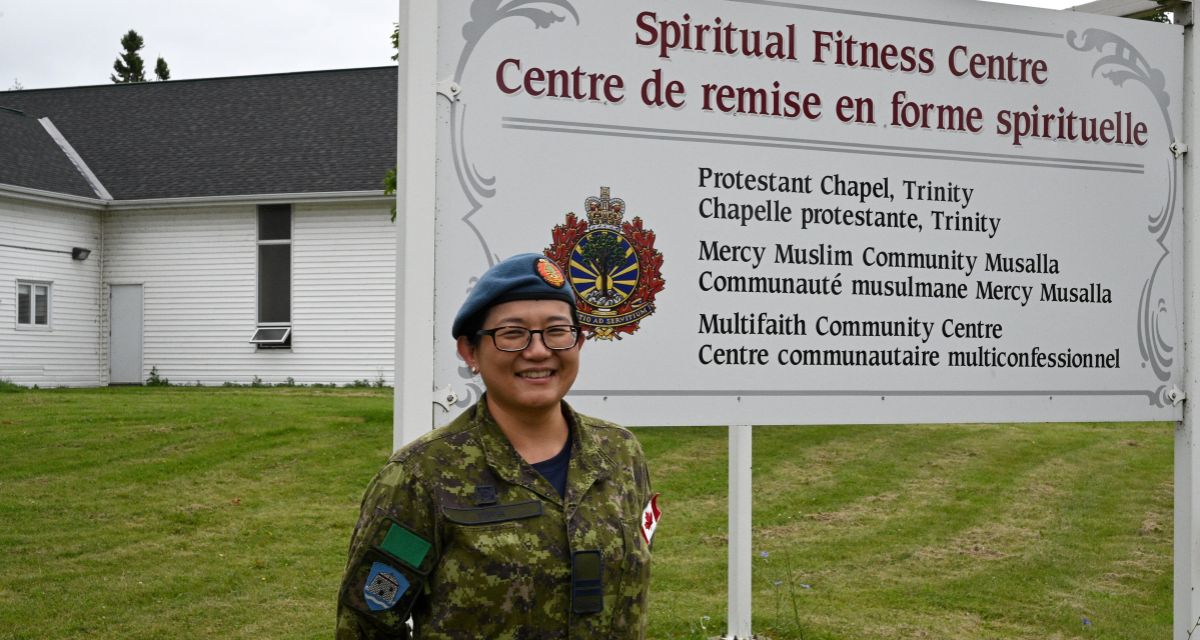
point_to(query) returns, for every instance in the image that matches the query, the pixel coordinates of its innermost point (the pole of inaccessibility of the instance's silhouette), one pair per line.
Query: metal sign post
(415, 163)
(741, 531)
(1187, 454)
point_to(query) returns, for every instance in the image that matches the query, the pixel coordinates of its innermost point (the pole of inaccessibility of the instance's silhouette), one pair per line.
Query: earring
(475, 370)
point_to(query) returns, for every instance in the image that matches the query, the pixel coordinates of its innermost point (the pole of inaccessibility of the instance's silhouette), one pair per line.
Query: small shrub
(8, 386)
(155, 380)
(256, 382)
(290, 382)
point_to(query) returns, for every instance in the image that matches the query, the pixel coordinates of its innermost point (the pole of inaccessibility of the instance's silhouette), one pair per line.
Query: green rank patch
(401, 543)
(405, 545)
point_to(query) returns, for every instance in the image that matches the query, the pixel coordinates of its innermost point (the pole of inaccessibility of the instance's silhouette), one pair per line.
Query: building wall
(344, 292)
(69, 352)
(198, 271)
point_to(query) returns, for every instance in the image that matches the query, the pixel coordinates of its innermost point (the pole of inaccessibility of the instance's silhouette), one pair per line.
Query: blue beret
(526, 276)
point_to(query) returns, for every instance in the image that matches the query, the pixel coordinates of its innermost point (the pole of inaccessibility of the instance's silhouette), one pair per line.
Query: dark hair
(472, 327)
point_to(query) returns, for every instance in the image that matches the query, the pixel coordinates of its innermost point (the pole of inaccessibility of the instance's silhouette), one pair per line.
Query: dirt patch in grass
(1011, 528)
(959, 624)
(716, 539)
(876, 509)
(993, 541)
(873, 507)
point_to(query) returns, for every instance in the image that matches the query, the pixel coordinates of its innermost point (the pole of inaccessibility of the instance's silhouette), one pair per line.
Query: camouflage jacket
(504, 556)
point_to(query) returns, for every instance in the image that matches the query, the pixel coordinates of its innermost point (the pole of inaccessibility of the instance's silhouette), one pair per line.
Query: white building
(213, 230)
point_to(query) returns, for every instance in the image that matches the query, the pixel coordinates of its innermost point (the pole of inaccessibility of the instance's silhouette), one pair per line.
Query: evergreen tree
(603, 252)
(161, 70)
(129, 65)
(1164, 13)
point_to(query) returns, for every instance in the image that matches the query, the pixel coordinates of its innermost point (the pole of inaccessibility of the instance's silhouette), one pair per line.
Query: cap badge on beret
(550, 273)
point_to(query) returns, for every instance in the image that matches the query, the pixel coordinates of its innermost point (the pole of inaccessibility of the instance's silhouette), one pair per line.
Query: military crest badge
(612, 265)
(384, 587)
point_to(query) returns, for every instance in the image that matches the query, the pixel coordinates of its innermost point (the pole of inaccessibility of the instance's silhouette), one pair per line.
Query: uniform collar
(588, 462)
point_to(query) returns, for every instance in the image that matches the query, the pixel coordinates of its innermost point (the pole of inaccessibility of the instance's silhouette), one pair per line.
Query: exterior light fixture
(80, 254)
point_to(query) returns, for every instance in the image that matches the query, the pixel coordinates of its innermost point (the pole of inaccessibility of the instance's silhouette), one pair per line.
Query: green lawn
(225, 513)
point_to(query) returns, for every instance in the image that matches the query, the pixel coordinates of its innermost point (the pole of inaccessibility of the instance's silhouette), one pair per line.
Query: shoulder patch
(384, 587)
(405, 545)
(402, 544)
(381, 589)
(650, 517)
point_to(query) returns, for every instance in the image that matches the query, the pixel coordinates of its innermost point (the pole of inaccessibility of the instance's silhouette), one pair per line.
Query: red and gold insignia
(611, 264)
(550, 273)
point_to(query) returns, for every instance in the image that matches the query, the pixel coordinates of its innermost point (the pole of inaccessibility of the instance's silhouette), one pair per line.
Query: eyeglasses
(557, 337)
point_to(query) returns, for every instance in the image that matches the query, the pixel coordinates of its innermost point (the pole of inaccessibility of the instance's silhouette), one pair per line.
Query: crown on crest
(604, 212)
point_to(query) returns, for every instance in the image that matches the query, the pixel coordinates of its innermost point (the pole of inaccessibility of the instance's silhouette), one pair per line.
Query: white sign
(784, 213)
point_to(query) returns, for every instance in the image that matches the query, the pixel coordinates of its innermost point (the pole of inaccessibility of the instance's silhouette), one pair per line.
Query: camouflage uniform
(501, 538)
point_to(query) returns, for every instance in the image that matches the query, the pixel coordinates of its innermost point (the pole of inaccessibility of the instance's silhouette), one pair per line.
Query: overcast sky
(63, 43)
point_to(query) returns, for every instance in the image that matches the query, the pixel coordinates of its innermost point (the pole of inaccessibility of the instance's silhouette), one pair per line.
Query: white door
(125, 334)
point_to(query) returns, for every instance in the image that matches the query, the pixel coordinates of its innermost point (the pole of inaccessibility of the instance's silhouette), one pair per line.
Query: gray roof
(317, 131)
(30, 158)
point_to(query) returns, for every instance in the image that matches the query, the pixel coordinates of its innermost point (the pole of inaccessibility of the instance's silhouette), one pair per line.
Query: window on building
(272, 336)
(33, 304)
(274, 275)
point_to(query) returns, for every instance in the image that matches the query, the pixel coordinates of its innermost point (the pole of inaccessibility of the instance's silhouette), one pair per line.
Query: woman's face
(536, 378)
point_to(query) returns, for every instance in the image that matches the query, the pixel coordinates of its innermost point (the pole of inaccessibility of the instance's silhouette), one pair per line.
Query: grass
(225, 513)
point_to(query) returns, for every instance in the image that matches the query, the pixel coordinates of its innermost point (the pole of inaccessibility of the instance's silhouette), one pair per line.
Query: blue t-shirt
(555, 469)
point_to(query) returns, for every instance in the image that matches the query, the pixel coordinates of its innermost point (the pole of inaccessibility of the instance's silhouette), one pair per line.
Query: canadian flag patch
(650, 517)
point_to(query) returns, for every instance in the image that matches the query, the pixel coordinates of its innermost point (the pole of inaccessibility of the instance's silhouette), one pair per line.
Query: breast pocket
(484, 580)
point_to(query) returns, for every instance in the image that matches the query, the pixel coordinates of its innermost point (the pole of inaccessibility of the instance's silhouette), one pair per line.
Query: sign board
(843, 212)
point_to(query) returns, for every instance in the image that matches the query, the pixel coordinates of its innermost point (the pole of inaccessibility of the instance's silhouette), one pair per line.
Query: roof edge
(376, 195)
(77, 160)
(51, 197)
(118, 85)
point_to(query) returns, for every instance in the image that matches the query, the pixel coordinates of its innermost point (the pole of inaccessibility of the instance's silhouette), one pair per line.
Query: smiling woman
(521, 518)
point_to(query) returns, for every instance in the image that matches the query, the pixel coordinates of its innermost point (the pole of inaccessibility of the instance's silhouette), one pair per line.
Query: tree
(389, 188)
(129, 65)
(1164, 13)
(16, 85)
(161, 70)
(603, 251)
